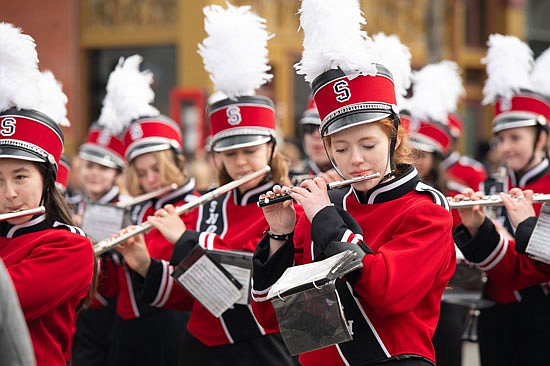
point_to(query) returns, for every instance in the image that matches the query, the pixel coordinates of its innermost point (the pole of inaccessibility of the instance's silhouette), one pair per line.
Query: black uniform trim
(240, 323)
(184, 245)
(476, 249)
(533, 174)
(355, 351)
(268, 271)
(390, 190)
(523, 233)
(152, 282)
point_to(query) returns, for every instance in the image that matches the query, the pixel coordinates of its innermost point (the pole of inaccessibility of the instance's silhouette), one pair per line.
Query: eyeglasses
(310, 128)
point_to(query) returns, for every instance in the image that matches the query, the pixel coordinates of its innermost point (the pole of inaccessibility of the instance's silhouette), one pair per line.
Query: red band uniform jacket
(393, 304)
(512, 276)
(232, 221)
(51, 268)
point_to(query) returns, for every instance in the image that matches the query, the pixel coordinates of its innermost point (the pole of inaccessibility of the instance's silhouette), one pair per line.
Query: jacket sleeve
(401, 273)
(58, 271)
(498, 258)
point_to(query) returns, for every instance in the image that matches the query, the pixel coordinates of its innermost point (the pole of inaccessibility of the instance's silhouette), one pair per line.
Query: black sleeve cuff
(266, 270)
(523, 233)
(476, 249)
(152, 281)
(327, 225)
(183, 246)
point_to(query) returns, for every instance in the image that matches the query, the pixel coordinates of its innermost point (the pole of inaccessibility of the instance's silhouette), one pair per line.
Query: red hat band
(242, 121)
(30, 135)
(151, 134)
(429, 136)
(521, 111)
(311, 114)
(63, 169)
(456, 127)
(104, 148)
(364, 97)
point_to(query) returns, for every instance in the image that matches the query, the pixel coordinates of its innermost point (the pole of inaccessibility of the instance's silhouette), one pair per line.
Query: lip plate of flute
(266, 201)
(492, 200)
(21, 213)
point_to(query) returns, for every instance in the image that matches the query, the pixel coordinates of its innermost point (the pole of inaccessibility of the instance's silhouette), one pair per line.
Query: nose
(240, 159)
(9, 191)
(355, 156)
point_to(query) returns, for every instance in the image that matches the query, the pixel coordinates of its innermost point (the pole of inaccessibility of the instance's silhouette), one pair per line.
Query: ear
(542, 141)
(397, 142)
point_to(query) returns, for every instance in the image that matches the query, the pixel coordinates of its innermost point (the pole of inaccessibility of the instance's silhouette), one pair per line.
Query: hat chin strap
(533, 153)
(391, 153)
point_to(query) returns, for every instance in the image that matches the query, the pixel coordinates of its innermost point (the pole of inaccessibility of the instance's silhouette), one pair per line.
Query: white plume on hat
(333, 39)
(509, 62)
(437, 89)
(54, 101)
(397, 58)
(235, 50)
(540, 76)
(129, 95)
(18, 69)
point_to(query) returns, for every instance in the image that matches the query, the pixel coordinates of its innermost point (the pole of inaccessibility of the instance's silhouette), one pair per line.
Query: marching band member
(516, 325)
(317, 163)
(462, 171)
(102, 162)
(242, 140)
(142, 334)
(392, 303)
(51, 262)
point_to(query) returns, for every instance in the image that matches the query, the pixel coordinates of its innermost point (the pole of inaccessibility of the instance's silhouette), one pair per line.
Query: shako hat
(437, 88)
(348, 72)
(235, 55)
(311, 114)
(509, 86)
(63, 170)
(127, 111)
(32, 104)
(102, 147)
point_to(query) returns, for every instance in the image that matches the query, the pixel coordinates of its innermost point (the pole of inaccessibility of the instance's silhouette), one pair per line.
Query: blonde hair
(279, 170)
(171, 169)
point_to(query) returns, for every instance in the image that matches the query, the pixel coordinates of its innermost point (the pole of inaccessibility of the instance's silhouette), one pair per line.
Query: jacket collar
(37, 223)
(252, 195)
(392, 189)
(530, 175)
(110, 196)
(178, 195)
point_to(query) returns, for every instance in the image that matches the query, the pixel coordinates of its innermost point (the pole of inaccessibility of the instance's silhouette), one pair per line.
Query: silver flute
(266, 201)
(491, 200)
(125, 234)
(147, 196)
(17, 214)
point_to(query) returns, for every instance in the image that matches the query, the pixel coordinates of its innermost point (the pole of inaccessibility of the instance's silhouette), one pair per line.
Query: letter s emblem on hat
(104, 138)
(233, 114)
(8, 126)
(136, 132)
(341, 89)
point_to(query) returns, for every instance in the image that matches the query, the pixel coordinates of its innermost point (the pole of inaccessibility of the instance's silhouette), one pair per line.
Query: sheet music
(101, 221)
(312, 272)
(243, 276)
(539, 245)
(210, 286)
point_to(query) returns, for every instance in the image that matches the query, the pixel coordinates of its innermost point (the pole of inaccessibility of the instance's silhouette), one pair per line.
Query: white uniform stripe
(162, 286)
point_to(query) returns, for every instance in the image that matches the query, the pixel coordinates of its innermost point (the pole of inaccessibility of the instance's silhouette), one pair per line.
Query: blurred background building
(81, 41)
